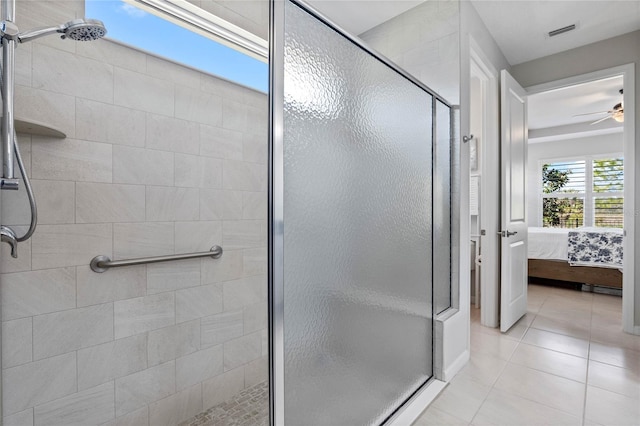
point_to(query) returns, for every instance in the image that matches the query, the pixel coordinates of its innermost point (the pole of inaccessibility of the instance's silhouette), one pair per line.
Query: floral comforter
(601, 247)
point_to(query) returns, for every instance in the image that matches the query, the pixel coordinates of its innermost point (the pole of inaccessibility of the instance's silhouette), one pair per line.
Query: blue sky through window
(131, 25)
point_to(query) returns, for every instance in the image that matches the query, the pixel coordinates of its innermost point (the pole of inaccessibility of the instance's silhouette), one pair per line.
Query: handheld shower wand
(79, 30)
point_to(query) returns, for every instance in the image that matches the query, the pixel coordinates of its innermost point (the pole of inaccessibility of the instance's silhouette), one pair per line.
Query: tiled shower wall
(158, 159)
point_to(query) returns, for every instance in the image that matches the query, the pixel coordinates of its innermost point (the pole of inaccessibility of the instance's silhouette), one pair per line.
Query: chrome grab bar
(102, 263)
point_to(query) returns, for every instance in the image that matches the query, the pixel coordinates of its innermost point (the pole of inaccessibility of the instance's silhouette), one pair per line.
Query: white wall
(605, 54)
(538, 152)
(424, 41)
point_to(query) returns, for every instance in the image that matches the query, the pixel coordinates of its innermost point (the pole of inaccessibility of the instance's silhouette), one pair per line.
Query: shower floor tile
(249, 408)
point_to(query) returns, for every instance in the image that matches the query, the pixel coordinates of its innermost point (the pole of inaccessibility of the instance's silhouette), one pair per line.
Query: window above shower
(186, 34)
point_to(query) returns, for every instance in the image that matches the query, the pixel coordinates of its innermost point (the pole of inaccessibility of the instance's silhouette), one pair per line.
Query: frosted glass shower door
(350, 227)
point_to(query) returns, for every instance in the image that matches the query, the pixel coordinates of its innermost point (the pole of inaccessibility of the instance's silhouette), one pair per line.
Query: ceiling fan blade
(591, 113)
(602, 119)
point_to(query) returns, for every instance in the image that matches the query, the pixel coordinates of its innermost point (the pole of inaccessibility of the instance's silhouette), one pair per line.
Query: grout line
(586, 379)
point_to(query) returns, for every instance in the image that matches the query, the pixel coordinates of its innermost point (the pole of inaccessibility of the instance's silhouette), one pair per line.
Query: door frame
(629, 131)
(481, 68)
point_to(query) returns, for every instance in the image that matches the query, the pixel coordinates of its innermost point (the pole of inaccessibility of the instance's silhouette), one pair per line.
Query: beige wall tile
(256, 99)
(255, 317)
(101, 122)
(198, 236)
(142, 314)
(255, 148)
(221, 87)
(142, 92)
(17, 342)
(196, 105)
(211, 204)
(176, 408)
(198, 172)
(173, 342)
(133, 240)
(172, 134)
(173, 72)
(198, 366)
(24, 65)
(220, 328)
(38, 382)
(228, 267)
(113, 53)
(9, 264)
(243, 234)
(112, 360)
(70, 245)
(254, 205)
(220, 143)
(101, 202)
(238, 175)
(234, 115)
(145, 387)
(257, 120)
(244, 292)
(172, 204)
(56, 200)
(92, 406)
(70, 159)
(198, 302)
(63, 72)
(82, 327)
(142, 166)
(26, 294)
(254, 261)
(115, 284)
(171, 276)
(223, 387)
(256, 372)
(242, 350)
(139, 417)
(23, 418)
(232, 205)
(56, 109)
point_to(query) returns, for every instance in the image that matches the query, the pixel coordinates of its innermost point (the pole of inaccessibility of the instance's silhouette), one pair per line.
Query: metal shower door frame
(276, 196)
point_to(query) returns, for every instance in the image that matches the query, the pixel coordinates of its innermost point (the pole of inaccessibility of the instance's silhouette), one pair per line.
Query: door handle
(507, 234)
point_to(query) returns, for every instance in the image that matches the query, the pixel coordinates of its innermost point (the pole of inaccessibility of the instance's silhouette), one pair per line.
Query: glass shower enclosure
(351, 222)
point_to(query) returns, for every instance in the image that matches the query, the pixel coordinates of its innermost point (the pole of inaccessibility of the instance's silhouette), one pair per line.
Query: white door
(513, 266)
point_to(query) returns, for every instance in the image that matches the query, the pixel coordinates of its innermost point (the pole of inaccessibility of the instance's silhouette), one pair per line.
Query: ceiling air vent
(562, 30)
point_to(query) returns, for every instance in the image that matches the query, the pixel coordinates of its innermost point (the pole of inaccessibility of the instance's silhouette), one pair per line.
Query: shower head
(84, 30)
(78, 29)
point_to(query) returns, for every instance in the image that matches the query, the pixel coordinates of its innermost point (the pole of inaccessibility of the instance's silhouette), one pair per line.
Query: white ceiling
(558, 107)
(553, 114)
(520, 27)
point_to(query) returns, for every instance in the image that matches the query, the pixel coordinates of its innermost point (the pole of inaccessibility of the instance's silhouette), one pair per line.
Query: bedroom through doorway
(577, 183)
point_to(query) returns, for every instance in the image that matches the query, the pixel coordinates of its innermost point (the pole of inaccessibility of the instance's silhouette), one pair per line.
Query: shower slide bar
(102, 263)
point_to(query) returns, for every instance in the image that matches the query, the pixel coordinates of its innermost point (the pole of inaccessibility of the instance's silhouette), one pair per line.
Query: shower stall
(210, 254)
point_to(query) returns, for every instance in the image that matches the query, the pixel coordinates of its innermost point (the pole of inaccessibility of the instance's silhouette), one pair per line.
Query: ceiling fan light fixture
(619, 117)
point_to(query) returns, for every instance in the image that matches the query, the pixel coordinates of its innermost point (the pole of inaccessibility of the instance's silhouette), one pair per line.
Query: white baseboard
(456, 366)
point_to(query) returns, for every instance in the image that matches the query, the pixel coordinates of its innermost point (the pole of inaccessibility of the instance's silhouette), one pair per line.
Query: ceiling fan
(617, 113)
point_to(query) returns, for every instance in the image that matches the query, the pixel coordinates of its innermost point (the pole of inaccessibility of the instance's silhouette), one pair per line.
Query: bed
(582, 255)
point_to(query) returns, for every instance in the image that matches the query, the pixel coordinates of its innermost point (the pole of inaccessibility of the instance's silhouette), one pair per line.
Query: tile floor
(567, 362)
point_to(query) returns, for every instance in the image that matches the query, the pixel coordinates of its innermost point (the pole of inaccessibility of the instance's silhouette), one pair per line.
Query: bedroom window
(583, 192)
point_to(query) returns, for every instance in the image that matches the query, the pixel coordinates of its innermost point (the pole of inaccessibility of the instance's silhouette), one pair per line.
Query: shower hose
(27, 183)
